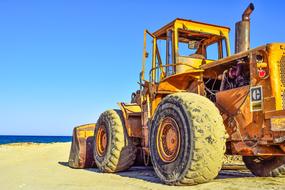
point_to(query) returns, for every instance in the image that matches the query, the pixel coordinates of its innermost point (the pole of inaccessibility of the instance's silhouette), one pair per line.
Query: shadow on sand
(148, 174)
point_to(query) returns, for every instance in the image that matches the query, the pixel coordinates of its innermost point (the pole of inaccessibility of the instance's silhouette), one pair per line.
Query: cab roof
(195, 26)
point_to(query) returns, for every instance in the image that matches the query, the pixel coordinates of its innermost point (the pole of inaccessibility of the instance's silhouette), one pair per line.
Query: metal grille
(282, 77)
(283, 100)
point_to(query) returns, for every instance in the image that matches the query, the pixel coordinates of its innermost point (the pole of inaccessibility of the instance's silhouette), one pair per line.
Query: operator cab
(184, 45)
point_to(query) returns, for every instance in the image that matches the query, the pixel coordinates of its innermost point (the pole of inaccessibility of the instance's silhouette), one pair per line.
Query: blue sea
(6, 139)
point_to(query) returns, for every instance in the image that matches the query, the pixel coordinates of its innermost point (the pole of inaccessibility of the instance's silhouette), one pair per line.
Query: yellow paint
(185, 64)
(180, 63)
(275, 53)
(85, 134)
(154, 49)
(262, 65)
(186, 69)
(278, 123)
(129, 109)
(203, 28)
(154, 104)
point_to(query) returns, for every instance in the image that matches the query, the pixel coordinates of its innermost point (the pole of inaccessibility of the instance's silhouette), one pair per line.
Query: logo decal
(256, 98)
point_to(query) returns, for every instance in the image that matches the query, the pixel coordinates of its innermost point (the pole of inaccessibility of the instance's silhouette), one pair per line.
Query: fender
(132, 118)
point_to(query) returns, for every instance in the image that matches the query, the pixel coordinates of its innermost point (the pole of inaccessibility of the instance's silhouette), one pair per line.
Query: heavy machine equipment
(198, 102)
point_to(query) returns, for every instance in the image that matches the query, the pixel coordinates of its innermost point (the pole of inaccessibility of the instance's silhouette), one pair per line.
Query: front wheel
(114, 150)
(187, 140)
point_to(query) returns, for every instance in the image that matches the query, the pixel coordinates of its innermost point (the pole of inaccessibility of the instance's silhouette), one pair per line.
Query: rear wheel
(187, 140)
(114, 150)
(265, 167)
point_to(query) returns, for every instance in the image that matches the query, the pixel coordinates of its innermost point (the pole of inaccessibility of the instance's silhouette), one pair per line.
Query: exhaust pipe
(247, 12)
(242, 32)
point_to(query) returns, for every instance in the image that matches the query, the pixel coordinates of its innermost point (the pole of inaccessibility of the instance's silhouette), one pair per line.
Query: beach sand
(44, 166)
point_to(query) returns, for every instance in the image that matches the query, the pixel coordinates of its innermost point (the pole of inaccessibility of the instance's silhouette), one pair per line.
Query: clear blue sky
(63, 62)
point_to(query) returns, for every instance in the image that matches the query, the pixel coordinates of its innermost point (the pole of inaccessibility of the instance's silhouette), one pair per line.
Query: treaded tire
(120, 152)
(202, 144)
(271, 167)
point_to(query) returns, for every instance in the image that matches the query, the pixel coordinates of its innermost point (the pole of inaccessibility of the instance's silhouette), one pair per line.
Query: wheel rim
(168, 140)
(101, 140)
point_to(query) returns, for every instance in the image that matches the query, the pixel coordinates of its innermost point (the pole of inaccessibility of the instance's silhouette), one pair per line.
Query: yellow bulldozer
(197, 102)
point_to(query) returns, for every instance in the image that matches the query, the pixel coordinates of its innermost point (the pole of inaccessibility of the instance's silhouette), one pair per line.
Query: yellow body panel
(129, 108)
(275, 53)
(84, 132)
(132, 118)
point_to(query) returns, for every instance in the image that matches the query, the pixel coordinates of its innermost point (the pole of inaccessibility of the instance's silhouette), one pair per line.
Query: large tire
(200, 139)
(265, 167)
(113, 149)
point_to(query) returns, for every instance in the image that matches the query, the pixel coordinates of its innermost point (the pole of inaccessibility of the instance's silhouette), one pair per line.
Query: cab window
(213, 51)
(216, 50)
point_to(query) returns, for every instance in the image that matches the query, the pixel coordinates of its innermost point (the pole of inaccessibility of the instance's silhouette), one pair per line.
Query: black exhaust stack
(242, 32)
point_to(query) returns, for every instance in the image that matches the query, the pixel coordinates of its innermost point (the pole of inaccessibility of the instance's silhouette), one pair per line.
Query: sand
(44, 166)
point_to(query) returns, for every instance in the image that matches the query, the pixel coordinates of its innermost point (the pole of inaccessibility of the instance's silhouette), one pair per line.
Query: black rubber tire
(203, 139)
(270, 167)
(120, 153)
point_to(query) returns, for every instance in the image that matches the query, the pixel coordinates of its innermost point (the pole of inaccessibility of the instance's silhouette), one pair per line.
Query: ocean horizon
(8, 139)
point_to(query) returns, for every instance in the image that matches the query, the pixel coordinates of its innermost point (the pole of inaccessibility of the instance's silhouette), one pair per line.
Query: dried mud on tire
(202, 143)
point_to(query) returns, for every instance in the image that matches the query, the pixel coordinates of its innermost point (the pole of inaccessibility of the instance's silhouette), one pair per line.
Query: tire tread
(122, 153)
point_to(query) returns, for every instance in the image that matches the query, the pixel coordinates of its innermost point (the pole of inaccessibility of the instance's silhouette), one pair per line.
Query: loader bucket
(81, 152)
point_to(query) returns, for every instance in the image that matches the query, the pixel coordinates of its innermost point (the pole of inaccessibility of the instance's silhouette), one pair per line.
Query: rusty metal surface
(245, 149)
(101, 140)
(242, 39)
(242, 31)
(230, 101)
(269, 104)
(221, 63)
(269, 114)
(81, 152)
(247, 12)
(250, 133)
(168, 140)
(132, 118)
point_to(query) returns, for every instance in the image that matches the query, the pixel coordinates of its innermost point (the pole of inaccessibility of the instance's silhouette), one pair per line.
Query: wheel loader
(197, 102)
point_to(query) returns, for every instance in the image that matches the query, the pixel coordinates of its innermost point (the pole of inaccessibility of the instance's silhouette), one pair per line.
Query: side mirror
(146, 54)
(193, 44)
